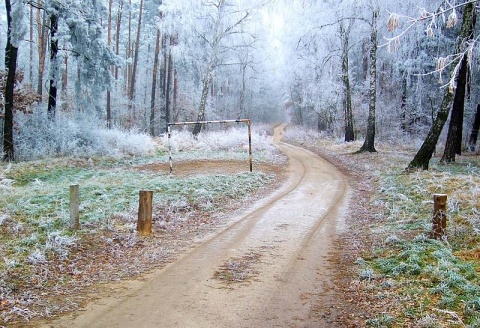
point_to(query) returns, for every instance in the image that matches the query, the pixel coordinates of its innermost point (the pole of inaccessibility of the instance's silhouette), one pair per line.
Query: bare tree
(154, 83)
(109, 42)
(425, 153)
(453, 145)
(131, 92)
(221, 29)
(369, 143)
(52, 92)
(11, 54)
(347, 92)
(168, 84)
(42, 38)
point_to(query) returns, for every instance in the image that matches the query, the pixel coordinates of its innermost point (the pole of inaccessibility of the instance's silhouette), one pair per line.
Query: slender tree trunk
(405, 126)
(65, 75)
(11, 54)
(30, 66)
(369, 143)
(472, 141)
(347, 101)
(78, 89)
(425, 153)
(109, 42)
(453, 145)
(217, 37)
(169, 85)
(117, 35)
(203, 100)
(456, 119)
(154, 84)
(163, 69)
(128, 53)
(41, 45)
(243, 90)
(175, 95)
(131, 95)
(52, 93)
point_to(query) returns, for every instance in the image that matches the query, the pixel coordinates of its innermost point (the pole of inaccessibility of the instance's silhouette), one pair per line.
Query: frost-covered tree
(15, 32)
(425, 153)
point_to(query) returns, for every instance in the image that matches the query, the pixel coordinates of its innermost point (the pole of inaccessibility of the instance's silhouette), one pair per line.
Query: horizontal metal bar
(207, 122)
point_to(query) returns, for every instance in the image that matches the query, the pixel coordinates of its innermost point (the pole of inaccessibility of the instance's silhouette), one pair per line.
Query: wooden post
(74, 207)
(144, 223)
(439, 216)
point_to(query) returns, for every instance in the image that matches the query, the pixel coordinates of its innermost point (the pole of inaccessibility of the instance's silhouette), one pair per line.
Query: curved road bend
(288, 235)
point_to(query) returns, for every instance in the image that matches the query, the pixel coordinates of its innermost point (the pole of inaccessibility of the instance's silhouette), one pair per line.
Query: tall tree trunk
(405, 124)
(455, 128)
(52, 93)
(41, 45)
(175, 95)
(472, 141)
(65, 75)
(11, 54)
(347, 100)
(117, 35)
(169, 85)
(207, 79)
(30, 66)
(128, 53)
(425, 153)
(109, 42)
(203, 100)
(154, 84)
(369, 143)
(163, 68)
(131, 94)
(453, 145)
(243, 90)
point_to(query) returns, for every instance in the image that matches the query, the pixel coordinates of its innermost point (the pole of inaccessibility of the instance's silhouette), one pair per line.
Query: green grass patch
(34, 210)
(435, 281)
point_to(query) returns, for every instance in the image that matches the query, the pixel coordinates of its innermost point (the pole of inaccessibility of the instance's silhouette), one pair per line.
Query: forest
(386, 91)
(369, 70)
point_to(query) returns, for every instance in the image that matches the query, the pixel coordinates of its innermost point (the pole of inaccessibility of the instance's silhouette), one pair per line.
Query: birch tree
(223, 25)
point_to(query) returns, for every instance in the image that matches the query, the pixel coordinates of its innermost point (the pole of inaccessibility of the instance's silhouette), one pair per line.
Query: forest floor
(388, 212)
(274, 263)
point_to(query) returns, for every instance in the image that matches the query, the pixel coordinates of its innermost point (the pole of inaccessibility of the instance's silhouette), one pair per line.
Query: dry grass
(400, 278)
(239, 270)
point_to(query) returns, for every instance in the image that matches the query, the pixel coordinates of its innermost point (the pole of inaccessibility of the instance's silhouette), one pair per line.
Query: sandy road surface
(280, 243)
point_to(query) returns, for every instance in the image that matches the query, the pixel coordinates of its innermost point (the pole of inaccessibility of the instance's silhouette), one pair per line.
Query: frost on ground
(47, 269)
(74, 135)
(397, 275)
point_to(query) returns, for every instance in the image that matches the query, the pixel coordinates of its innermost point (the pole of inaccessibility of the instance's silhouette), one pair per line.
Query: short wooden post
(74, 207)
(145, 207)
(439, 216)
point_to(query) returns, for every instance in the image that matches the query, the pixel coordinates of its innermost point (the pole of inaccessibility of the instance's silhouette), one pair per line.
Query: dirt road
(267, 269)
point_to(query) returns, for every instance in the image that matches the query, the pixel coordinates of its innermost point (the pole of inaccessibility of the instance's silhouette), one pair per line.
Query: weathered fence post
(74, 207)
(439, 216)
(145, 207)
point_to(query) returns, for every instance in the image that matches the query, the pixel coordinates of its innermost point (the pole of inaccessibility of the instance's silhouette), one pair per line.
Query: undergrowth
(410, 279)
(38, 249)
